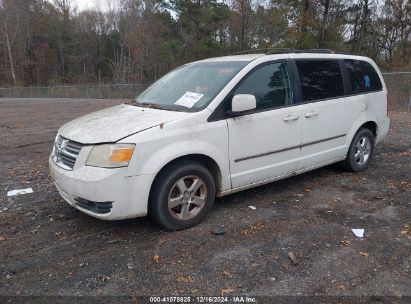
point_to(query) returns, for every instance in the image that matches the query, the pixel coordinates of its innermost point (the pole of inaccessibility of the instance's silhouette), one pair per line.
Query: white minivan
(218, 126)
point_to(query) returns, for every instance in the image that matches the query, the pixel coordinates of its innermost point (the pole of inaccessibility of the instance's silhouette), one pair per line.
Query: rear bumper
(383, 129)
(128, 196)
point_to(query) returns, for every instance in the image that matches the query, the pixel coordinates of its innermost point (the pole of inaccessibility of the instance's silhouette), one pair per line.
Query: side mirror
(243, 102)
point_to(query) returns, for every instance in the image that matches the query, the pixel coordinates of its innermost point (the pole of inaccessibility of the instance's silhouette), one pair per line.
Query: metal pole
(409, 104)
(109, 92)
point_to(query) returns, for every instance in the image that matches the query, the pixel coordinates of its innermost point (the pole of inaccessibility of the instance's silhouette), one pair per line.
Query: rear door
(323, 105)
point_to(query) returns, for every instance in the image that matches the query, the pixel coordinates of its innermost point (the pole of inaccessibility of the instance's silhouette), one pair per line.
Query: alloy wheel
(187, 197)
(362, 150)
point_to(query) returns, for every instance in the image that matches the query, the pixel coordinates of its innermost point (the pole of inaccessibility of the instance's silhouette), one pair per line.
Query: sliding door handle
(291, 118)
(311, 114)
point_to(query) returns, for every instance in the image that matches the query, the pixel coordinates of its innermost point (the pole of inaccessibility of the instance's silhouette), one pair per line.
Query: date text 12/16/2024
(204, 299)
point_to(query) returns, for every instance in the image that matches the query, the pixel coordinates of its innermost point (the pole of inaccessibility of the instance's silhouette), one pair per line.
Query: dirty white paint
(19, 192)
(115, 123)
(249, 150)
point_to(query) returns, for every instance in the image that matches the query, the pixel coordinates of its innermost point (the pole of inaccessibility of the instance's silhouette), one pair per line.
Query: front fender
(173, 151)
(157, 147)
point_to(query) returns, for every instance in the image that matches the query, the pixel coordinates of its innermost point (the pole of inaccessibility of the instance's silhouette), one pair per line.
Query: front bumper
(128, 195)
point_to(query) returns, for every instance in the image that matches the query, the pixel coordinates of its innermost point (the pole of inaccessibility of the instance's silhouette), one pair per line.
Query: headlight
(54, 144)
(110, 156)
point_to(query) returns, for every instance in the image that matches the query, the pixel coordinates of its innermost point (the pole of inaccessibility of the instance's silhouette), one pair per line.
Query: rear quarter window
(363, 77)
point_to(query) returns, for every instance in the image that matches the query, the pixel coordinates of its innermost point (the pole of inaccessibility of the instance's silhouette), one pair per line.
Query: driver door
(265, 143)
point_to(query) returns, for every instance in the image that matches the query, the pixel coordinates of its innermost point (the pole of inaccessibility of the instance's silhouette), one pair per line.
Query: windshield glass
(190, 87)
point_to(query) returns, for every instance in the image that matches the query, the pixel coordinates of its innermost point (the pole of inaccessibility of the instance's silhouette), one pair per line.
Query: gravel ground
(49, 248)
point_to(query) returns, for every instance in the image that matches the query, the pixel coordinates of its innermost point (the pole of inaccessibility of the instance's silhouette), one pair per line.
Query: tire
(361, 151)
(174, 204)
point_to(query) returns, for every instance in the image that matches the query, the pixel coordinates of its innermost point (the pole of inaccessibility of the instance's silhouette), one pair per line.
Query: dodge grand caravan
(217, 126)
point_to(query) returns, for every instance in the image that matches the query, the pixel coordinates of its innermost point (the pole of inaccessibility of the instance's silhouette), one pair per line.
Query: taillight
(387, 104)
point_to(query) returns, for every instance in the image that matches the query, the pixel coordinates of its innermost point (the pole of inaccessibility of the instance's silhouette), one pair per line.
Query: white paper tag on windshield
(189, 99)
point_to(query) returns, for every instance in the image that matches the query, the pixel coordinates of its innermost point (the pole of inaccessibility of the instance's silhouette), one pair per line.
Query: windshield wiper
(135, 102)
(147, 105)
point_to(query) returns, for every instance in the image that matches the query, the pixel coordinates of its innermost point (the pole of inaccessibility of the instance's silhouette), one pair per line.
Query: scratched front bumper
(128, 194)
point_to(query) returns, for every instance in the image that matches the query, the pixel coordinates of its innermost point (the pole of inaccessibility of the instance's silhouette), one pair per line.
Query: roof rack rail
(285, 51)
(323, 51)
(280, 51)
(266, 51)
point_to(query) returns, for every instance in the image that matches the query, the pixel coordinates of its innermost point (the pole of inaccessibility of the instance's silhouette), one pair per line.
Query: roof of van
(296, 53)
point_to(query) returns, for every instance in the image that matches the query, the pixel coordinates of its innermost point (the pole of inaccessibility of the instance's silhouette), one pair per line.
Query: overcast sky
(84, 4)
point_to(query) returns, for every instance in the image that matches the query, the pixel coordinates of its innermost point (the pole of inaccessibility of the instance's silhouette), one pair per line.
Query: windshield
(190, 87)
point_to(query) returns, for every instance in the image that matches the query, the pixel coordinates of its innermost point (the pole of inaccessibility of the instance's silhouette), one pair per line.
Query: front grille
(96, 207)
(66, 152)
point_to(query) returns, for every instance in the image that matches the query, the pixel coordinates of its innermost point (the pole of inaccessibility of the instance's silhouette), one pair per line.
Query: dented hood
(115, 123)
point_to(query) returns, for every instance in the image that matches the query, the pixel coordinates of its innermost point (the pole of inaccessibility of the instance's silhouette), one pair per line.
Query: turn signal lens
(121, 154)
(110, 156)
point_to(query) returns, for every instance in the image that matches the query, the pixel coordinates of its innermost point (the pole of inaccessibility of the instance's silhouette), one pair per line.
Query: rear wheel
(360, 152)
(182, 195)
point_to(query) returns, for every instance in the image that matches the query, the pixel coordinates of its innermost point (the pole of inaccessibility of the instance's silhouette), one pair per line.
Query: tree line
(52, 42)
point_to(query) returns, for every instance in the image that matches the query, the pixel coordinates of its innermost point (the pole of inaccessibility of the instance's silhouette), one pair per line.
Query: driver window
(270, 84)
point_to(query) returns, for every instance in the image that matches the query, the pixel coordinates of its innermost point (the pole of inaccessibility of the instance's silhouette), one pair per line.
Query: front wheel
(360, 152)
(182, 195)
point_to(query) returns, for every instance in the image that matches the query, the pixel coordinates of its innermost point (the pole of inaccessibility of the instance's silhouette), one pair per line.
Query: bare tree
(51, 41)
(325, 16)
(243, 12)
(120, 66)
(8, 37)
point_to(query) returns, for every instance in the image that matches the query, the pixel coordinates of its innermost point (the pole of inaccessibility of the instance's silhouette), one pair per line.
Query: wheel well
(372, 126)
(207, 161)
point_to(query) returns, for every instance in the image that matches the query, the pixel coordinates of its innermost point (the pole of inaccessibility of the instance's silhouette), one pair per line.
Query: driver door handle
(291, 118)
(311, 114)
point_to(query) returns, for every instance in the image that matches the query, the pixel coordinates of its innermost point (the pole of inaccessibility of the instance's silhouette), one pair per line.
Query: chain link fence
(104, 91)
(398, 84)
(399, 90)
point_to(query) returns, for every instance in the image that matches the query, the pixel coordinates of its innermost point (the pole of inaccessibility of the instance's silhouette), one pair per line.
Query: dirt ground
(49, 248)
